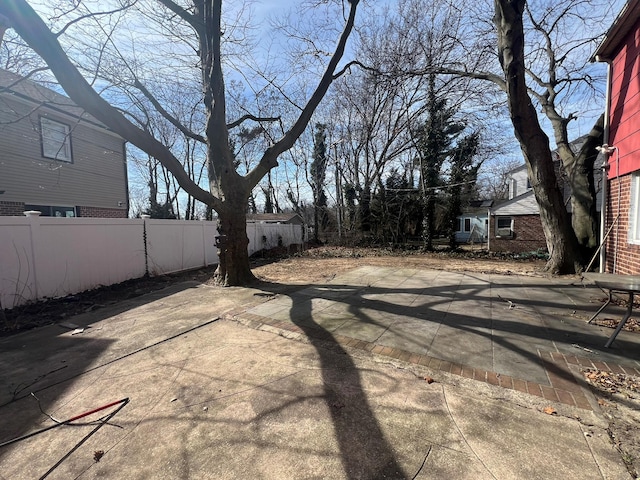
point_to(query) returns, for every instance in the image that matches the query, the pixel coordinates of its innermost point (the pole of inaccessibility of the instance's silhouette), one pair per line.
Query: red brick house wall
(527, 236)
(622, 257)
(101, 212)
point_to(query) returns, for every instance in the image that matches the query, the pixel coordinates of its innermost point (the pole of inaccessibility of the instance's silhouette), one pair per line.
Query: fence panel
(176, 245)
(17, 265)
(48, 257)
(77, 254)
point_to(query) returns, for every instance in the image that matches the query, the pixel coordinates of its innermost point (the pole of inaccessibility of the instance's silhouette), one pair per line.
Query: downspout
(605, 169)
(489, 229)
(126, 178)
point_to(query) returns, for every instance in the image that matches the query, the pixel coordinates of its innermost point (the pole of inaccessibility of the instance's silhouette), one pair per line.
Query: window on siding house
(467, 224)
(56, 140)
(634, 211)
(458, 225)
(52, 211)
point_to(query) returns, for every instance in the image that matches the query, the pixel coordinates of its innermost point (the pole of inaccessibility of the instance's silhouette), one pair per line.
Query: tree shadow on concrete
(365, 451)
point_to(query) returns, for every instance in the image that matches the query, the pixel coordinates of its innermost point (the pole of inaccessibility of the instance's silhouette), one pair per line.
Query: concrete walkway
(328, 383)
(524, 333)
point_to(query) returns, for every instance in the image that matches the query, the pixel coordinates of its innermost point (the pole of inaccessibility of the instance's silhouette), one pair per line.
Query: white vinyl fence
(48, 257)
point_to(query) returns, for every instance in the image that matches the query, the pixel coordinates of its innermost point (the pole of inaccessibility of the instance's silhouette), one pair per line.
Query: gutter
(605, 166)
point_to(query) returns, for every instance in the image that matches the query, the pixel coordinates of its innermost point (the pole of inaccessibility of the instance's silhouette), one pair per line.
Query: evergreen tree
(318, 177)
(396, 209)
(461, 182)
(434, 142)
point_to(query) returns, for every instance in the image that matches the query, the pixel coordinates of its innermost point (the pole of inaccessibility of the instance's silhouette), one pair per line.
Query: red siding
(624, 116)
(624, 134)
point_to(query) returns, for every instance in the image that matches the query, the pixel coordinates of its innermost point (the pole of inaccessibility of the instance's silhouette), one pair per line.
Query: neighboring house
(621, 230)
(292, 218)
(514, 224)
(472, 225)
(55, 158)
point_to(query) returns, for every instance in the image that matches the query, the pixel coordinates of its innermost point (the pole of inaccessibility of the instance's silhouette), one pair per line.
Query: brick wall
(101, 212)
(12, 209)
(625, 256)
(17, 209)
(527, 235)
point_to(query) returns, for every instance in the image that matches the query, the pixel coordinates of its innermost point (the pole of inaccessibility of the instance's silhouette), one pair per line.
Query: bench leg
(621, 324)
(601, 309)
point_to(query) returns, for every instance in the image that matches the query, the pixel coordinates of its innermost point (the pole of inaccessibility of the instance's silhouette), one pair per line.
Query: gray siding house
(55, 158)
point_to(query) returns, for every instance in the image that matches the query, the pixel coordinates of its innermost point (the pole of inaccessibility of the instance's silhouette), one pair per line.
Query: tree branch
(248, 116)
(94, 14)
(174, 121)
(270, 157)
(348, 66)
(491, 77)
(183, 14)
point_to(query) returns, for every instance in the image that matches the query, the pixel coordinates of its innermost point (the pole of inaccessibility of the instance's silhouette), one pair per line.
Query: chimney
(4, 24)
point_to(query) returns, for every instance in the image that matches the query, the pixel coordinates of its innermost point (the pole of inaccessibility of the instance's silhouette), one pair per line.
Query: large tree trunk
(233, 255)
(579, 169)
(561, 240)
(232, 242)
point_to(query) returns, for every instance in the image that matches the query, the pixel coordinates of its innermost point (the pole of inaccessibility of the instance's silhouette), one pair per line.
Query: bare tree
(557, 38)
(228, 191)
(561, 241)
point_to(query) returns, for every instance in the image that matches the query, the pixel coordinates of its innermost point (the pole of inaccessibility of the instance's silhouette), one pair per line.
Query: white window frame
(467, 220)
(54, 210)
(634, 210)
(56, 140)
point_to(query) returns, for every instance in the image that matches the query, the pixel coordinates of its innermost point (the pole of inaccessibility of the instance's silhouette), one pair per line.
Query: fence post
(144, 239)
(34, 237)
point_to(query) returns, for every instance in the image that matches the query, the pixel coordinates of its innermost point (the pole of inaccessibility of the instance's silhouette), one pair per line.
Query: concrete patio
(328, 382)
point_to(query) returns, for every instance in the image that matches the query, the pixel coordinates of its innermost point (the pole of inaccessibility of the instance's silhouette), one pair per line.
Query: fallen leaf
(429, 379)
(97, 455)
(549, 410)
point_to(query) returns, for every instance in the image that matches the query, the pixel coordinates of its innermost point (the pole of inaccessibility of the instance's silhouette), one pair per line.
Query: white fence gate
(49, 257)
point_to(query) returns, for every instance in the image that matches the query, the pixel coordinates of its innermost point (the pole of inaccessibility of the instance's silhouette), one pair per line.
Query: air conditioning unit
(504, 232)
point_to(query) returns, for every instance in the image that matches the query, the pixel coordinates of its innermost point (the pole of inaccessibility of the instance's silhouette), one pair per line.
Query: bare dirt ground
(317, 265)
(618, 395)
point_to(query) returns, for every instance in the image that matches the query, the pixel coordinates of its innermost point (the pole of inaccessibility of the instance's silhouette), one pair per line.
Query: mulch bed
(49, 311)
(632, 325)
(613, 382)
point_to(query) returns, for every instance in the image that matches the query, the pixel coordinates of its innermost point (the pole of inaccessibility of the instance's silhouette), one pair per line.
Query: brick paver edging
(563, 388)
